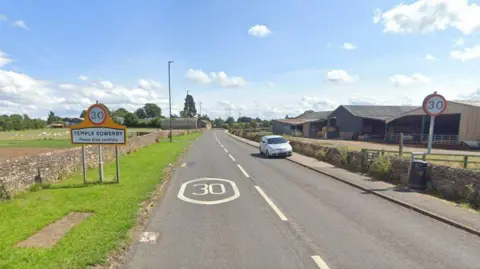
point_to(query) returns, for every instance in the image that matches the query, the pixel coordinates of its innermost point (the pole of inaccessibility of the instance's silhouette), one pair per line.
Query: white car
(275, 145)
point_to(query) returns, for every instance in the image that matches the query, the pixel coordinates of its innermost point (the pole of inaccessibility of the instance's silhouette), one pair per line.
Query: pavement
(229, 207)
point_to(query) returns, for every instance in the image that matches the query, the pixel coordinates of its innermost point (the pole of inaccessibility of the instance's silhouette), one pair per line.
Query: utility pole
(229, 112)
(200, 109)
(239, 114)
(170, 99)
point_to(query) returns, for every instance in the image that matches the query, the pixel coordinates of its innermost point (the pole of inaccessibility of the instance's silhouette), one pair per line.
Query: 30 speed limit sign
(97, 114)
(434, 104)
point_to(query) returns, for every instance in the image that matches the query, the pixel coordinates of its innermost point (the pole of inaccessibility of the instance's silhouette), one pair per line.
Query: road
(272, 213)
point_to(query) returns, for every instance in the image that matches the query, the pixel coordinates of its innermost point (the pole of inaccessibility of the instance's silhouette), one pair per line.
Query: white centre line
(243, 171)
(225, 150)
(231, 157)
(271, 204)
(319, 261)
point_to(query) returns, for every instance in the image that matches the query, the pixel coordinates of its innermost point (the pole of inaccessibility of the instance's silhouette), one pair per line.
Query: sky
(262, 59)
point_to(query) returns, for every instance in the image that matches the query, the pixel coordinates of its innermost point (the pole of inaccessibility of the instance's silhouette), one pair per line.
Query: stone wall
(448, 182)
(19, 174)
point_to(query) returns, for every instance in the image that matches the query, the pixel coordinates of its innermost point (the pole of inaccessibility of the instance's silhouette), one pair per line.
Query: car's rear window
(276, 140)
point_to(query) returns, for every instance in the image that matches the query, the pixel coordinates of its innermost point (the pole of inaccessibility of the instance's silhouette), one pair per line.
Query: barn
(364, 122)
(460, 122)
(307, 124)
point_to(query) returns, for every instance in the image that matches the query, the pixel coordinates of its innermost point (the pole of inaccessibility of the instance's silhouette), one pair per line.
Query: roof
(378, 112)
(319, 115)
(295, 121)
(467, 102)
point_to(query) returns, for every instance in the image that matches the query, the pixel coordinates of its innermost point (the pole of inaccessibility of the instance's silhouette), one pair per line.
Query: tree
(17, 122)
(51, 117)
(244, 119)
(121, 112)
(156, 122)
(265, 123)
(229, 121)
(83, 114)
(152, 110)
(258, 120)
(27, 122)
(5, 123)
(253, 124)
(131, 120)
(286, 117)
(218, 122)
(189, 110)
(140, 113)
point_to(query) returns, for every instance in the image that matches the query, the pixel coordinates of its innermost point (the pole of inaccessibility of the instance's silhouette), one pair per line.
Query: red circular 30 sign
(434, 104)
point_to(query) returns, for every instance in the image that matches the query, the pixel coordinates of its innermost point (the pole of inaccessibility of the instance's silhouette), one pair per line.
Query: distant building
(179, 123)
(205, 124)
(307, 124)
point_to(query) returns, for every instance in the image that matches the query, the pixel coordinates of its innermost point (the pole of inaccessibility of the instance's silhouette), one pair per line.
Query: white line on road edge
(243, 171)
(273, 206)
(225, 150)
(231, 157)
(321, 264)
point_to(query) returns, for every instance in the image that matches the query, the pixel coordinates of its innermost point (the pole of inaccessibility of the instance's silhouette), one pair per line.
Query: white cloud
(363, 100)
(66, 86)
(20, 24)
(197, 76)
(316, 104)
(349, 46)
(82, 77)
(4, 59)
(430, 57)
(106, 84)
(430, 15)
(403, 80)
(339, 76)
(271, 84)
(466, 54)
(228, 82)
(259, 30)
(149, 84)
(459, 42)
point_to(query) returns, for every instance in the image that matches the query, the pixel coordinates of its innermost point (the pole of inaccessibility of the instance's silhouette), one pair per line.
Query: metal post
(400, 146)
(84, 165)
(170, 100)
(100, 163)
(430, 134)
(117, 164)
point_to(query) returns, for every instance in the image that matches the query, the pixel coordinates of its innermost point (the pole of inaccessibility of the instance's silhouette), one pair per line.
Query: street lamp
(170, 99)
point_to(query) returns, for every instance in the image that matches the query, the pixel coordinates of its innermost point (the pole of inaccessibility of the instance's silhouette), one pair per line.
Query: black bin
(418, 176)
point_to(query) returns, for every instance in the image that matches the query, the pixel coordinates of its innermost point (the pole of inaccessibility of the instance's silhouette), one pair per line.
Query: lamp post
(170, 99)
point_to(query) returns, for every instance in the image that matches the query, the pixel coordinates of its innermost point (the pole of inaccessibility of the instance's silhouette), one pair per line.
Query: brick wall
(19, 174)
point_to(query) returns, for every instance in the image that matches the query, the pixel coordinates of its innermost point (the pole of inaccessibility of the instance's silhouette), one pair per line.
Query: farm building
(459, 122)
(179, 123)
(364, 122)
(205, 124)
(308, 124)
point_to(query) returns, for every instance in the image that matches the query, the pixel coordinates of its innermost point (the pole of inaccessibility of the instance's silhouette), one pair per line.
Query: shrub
(381, 167)
(320, 155)
(307, 150)
(344, 154)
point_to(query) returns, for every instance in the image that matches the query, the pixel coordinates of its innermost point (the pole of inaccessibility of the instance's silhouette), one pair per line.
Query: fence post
(465, 161)
(400, 146)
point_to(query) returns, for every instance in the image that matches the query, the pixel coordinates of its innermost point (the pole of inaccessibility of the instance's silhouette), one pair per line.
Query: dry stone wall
(19, 174)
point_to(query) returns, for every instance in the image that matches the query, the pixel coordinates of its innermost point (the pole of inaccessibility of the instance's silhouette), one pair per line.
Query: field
(113, 209)
(30, 142)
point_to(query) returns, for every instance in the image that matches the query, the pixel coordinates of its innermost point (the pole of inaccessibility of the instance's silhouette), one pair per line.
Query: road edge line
(393, 200)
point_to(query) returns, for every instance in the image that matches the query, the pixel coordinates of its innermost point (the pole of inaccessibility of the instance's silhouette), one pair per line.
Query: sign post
(433, 105)
(99, 129)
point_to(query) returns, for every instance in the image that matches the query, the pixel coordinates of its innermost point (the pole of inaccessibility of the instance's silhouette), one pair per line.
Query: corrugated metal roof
(295, 121)
(378, 112)
(319, 115)
(467, 102)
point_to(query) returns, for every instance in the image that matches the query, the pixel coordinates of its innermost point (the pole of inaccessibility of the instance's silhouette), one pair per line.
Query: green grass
(34, 134)
(115, 209)
(60, 144)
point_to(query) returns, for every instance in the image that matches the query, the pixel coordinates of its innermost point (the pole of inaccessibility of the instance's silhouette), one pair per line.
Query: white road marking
(225, 150)
(271, 204)
(208, 190)
(231, 157)
(319, 261)
(243, 170)
(183, 165)
(149, 237)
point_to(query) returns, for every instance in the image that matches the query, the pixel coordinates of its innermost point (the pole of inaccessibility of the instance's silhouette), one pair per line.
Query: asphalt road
(271, 213)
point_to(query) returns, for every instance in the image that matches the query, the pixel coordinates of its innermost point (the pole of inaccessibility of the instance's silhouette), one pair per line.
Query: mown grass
(114, 206)
(34, 134)
(60, 144)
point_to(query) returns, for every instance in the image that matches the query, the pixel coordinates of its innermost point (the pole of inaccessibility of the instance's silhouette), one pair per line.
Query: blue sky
(296, 58)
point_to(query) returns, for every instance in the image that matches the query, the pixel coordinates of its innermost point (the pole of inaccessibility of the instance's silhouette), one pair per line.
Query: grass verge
(115, 210)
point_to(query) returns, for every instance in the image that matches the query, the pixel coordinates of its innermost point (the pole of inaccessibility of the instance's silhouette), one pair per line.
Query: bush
(320, 155)
(344, 154)
(381, 167)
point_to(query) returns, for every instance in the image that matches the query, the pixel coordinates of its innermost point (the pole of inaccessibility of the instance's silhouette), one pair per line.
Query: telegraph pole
(200, 108)
(170, 99)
